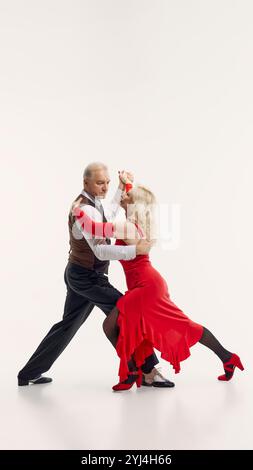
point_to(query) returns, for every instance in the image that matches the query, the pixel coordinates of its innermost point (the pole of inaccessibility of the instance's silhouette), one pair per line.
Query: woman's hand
(96, 229)
(125, 177)
(143, 247)
(130, 177)
(75, 208)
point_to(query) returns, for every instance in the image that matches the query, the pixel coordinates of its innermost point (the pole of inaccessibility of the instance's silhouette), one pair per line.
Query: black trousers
(85, 289)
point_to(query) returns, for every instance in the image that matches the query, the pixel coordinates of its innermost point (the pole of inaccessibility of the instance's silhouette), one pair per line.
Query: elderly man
(86, 280)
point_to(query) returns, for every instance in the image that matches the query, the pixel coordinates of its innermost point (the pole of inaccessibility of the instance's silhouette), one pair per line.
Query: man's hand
(143, 247)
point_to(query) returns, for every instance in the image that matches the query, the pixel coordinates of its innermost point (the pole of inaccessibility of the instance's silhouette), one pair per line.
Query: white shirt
(98, 245)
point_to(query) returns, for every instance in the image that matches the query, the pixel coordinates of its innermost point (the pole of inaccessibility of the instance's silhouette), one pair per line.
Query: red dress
(149, 319)
(147, 316)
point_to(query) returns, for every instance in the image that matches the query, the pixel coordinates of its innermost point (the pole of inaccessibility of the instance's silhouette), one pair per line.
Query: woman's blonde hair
(142, 210)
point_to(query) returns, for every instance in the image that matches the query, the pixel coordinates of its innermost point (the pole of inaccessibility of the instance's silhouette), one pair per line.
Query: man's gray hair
(92, 167)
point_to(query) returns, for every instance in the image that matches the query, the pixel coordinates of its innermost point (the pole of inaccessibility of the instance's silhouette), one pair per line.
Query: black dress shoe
(37, 380)
(166, 383)
(156, 379)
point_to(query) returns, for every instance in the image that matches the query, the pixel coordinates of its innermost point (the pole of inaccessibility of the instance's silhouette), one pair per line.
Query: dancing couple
(137, 322)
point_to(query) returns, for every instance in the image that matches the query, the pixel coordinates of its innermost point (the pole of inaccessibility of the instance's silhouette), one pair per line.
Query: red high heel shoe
(230, 366)
(136, 376)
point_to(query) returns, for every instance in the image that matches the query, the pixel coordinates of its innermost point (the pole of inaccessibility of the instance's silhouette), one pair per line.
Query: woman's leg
(111, 330)
(209, 340)
(110, 326)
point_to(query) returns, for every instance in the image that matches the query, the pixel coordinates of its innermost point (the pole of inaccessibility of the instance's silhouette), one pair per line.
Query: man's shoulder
(89, 209)
(80, 200)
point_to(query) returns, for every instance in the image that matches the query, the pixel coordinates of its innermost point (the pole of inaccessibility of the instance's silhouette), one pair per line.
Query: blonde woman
(145, 317)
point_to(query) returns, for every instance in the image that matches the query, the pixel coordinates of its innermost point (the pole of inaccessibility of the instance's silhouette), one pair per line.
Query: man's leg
(86, 288)
(76, 310)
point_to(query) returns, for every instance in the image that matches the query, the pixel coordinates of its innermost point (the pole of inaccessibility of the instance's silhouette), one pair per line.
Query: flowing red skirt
(149, 319)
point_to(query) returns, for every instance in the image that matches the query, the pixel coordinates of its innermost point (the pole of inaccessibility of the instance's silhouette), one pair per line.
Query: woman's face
(126, 199)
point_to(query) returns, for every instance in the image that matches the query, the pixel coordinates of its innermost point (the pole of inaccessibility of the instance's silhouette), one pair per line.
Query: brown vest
(80, 253)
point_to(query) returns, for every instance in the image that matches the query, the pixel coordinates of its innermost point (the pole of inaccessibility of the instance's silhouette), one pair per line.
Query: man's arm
(106, 252)
(112, 208)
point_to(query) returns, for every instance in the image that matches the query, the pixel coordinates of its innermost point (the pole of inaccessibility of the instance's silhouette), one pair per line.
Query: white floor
(80, 411)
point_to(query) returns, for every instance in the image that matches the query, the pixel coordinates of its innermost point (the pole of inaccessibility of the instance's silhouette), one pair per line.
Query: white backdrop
(163, 89)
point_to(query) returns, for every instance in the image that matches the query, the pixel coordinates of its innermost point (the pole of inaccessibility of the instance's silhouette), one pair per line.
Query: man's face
(98, 184)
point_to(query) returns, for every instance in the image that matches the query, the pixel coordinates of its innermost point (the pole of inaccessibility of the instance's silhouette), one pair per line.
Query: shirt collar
(95, 201)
